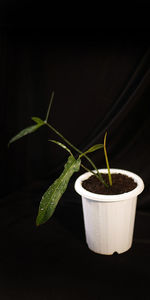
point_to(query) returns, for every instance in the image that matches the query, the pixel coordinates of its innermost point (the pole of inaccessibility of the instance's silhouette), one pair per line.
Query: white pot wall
(109, 219)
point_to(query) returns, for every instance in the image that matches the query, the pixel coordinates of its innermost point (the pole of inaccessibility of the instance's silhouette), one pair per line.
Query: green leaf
(52, 196)
(61, 145)
(38, 120)
(25, 131)
(92, 149)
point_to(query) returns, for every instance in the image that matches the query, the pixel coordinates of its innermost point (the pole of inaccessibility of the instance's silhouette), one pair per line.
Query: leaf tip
(9, 143)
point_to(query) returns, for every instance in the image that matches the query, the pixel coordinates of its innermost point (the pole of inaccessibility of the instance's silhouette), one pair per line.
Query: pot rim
(109, 198)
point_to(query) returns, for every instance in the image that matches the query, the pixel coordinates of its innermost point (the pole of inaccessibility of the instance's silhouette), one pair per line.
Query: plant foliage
(56, 190)
(53, 194)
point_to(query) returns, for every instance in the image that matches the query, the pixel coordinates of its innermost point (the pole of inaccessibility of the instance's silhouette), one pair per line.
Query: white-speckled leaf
(51, 197)
(26, 131)
(61, 145)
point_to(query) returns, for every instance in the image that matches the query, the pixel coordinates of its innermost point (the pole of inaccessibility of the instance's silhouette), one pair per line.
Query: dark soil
(120, 184)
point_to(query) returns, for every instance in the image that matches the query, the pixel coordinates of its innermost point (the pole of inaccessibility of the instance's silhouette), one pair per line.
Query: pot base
(110, 253)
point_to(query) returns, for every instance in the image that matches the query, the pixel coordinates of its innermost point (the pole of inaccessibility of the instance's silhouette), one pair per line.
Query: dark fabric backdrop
(101, 82)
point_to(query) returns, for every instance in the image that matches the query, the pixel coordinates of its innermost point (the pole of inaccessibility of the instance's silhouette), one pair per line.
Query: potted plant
(109, 196)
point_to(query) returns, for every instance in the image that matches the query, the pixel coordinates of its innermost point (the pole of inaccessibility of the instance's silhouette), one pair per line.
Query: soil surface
(120, 184)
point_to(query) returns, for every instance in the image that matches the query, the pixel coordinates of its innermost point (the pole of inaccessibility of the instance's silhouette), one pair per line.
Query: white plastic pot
(109, 219)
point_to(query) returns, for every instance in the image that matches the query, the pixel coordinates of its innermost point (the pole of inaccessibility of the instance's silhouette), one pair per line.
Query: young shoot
(107, 162)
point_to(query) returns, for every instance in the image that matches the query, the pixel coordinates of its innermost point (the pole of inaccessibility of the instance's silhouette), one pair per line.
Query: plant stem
(49, 107)
(95, 174)
(78, 151)
(107, 162)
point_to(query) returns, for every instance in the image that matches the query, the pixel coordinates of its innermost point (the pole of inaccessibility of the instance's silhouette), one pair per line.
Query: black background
(101, 81)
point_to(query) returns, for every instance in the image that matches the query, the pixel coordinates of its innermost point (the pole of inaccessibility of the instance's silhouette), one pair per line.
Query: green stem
(49, 107)
(78, 151)
(107, 162)
(95, 174)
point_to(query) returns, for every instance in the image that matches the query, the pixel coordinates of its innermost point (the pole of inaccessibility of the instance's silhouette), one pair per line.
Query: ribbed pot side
(109, 219)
